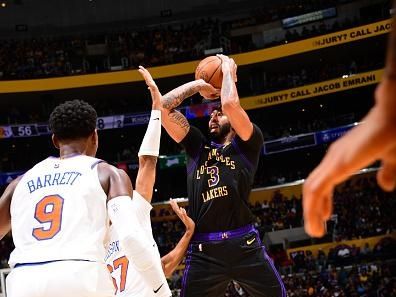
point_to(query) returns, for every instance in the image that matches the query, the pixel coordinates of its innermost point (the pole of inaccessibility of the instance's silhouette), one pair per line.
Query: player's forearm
(229, 93)
(171, 260)
(175, 97)
(146, 176)
(390, 68)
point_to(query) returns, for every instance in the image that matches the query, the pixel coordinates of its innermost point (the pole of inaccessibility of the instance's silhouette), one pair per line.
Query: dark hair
(217, 107)
(73, 119)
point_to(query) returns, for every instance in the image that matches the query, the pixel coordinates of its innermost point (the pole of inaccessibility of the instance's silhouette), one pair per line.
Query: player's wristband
(151, 141)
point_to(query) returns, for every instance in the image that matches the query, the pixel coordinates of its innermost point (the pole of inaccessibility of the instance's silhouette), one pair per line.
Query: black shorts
(214, 259)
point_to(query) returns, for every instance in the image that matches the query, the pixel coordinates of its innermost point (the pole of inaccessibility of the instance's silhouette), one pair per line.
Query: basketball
(209, 69)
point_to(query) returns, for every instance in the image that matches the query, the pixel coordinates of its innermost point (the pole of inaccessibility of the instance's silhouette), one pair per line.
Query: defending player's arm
(5, 202)
(172, 260)
(173, 121)
(230, 104)
(148, 154)
(134, 242)
(146, 176)
(149, 149)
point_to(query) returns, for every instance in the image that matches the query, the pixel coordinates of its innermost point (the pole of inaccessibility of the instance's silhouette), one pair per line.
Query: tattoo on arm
(175, 97)
(179, 119)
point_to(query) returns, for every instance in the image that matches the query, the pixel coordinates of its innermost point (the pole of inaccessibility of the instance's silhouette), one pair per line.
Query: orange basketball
(209, 69)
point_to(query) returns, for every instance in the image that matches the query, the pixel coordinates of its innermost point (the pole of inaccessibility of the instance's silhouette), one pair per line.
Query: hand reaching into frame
(374, 139)
(152, 86)
(182, 214)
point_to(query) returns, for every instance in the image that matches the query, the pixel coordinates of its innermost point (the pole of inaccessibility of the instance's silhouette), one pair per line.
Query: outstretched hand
(182, 214)
(152, 86)
(208, 91)
(372, 140)
(228, 65)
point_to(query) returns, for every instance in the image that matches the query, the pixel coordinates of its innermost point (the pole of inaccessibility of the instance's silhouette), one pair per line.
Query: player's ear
(55, 141)
(95, 138)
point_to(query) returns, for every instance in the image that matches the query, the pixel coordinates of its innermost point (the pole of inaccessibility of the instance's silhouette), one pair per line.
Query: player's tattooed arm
(230, 100)
(175, 97)
(175, 123)
(179, 119)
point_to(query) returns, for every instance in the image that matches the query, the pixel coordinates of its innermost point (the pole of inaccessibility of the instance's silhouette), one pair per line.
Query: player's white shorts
(60, 279)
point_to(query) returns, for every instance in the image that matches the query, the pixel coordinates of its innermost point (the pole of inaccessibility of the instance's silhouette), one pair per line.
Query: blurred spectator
(157, 45)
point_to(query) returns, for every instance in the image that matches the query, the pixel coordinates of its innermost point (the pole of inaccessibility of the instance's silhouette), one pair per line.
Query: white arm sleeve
(143, 209)
(136, 245)
(151, 141)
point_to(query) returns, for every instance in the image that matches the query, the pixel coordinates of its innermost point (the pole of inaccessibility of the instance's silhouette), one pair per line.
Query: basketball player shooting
(220, 172)
(374, 139)
(127, 280)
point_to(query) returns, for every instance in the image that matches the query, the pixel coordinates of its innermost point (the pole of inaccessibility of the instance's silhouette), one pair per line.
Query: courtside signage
(313, 90)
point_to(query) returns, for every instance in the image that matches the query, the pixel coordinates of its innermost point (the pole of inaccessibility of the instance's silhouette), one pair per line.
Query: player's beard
(221, 134)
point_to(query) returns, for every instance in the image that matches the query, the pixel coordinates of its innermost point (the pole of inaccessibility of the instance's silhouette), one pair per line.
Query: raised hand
(182, 214)
(152, 86)
(228, 65)
(207, 91)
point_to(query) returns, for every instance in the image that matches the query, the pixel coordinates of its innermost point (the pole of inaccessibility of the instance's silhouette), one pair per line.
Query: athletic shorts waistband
(46, 262)
(217, 236)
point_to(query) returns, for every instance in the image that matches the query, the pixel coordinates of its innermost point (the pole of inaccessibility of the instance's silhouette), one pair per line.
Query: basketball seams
(214, 72)
(200, 67)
